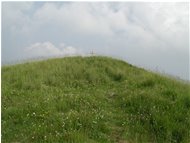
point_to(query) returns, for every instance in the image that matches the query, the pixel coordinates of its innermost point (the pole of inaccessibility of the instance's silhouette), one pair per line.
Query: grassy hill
(92, 100)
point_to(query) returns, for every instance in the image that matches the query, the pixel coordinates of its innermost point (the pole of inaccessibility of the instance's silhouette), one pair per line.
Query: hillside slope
(92, 100)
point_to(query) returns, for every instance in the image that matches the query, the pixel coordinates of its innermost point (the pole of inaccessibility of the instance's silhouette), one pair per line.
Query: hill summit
(93, 100)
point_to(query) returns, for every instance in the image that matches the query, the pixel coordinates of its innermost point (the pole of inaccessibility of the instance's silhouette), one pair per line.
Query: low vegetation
(92, 100)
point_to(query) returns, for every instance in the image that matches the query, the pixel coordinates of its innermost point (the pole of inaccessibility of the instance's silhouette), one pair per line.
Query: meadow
(92, 100)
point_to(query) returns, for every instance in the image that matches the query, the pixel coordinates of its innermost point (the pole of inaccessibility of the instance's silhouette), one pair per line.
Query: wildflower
(94, 122)
(63, 124)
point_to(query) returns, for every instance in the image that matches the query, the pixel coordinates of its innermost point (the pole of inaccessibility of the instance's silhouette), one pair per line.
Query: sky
(150, 35)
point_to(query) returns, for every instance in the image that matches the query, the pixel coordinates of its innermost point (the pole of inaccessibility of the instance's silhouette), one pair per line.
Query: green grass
(92, 100)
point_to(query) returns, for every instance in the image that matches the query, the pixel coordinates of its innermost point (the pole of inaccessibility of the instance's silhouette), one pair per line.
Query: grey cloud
(146, 34)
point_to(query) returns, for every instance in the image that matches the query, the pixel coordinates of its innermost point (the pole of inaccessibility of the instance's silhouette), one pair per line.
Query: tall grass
(92, 99)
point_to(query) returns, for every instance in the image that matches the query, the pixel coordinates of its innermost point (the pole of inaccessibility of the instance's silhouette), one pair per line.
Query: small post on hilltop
(92, 53)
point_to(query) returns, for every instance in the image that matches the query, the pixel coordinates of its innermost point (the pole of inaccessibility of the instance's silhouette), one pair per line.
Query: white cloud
(42, 49)
(70, 51)
(47, 49)
(167, 22)
(77, 16)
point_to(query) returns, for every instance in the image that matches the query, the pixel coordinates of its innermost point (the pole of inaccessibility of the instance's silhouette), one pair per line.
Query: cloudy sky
(150, 35)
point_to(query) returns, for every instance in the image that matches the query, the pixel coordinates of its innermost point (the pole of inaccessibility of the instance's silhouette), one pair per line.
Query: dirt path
(117, 135)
